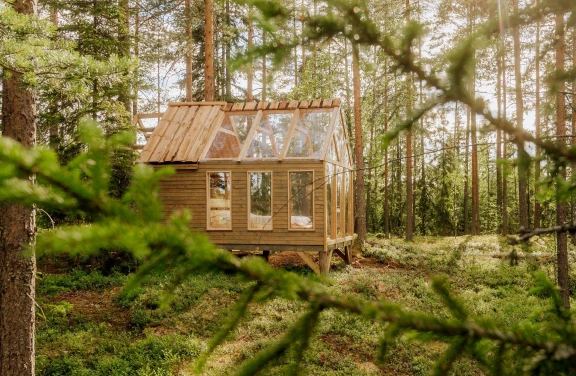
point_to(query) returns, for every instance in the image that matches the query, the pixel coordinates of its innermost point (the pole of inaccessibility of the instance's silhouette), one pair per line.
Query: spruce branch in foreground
(135, 223)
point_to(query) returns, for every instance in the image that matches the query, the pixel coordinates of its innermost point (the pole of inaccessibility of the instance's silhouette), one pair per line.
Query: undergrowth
(153, 335)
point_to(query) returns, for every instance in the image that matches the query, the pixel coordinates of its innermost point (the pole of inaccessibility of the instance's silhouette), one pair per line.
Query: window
(329, 201)
(301, 200)
(219, 213)
(260, 201)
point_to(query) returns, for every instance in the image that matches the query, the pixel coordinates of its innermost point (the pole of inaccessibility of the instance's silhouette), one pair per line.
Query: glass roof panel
(316, 123)
(332, 151)
(225, 145)
(300, 145)
(339, 136)
(345, 158)
(263, 145)
(230, 137)
(279, 124)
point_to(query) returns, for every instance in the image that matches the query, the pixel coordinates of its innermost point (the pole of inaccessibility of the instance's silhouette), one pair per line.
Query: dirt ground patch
(96, 306)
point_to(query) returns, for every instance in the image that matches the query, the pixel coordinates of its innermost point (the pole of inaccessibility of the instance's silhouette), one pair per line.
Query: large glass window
(339, 230)
(219, 187)
(329, 217)
(301, 200)
(260, 201)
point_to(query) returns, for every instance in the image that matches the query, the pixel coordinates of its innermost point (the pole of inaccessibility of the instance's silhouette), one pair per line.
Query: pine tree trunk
(386, 200)
(208, 52)
(473, 138)
(359, 150)
(466, 177)
(250, 78)
(522, 189)
(504, 150)
(537, 166)
(264, 71)
(17, 230)
(409, 197)
(561, 237)
(499, 136)
(124, 50)
(188, 18)
(136, 55)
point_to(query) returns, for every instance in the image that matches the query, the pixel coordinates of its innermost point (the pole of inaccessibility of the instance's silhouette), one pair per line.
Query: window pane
(263, 146)
(260, 216)
(219, 200)
(224, 145)
(279, 124)
(317, 123)
(339, 201)
(346, 203)
(301, 200)
(300, 145)
(230, 137)
(329, 173)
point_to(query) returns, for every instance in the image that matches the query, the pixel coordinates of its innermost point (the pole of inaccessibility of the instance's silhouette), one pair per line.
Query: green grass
(141, 333)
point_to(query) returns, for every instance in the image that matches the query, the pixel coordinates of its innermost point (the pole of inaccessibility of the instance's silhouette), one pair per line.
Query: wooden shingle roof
(185, 128)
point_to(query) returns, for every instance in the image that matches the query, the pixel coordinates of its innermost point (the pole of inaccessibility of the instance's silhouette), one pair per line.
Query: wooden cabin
(267, 176)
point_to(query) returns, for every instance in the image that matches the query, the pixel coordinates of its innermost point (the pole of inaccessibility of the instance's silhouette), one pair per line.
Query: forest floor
(87, 325)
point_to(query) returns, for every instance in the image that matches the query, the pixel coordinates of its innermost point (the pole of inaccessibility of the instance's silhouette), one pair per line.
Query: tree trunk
(208, 52)
(522, 189)
(188, 18)
(124, 50)
(136, 54)
(499, 135)
(17, 230)
(504, 149)
(466, 177)
(250, 78)
(264, 71)
(386, 200)
(359, 150)
(409, 197)
(537, 166)
(561, 237)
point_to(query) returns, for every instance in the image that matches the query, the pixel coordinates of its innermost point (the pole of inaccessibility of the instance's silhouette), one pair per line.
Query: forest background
(449, 173)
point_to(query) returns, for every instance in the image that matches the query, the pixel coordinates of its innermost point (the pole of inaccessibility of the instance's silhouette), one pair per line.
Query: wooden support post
(266, 255)
(308, 260)
(348, 254)
(324, 259)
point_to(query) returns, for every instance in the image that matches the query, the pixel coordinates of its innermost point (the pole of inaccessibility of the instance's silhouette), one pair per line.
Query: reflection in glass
(262, 146)
(329, 174)
(339, 201)
(316, 124)
(230, 137)
(260, 212)
(219, 200)
(301, 200)
(346, 202)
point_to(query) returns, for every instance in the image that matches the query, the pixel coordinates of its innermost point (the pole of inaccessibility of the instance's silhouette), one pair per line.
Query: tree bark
(504, 149)
(208, 52)
(264, 71)
(17, 230)
(561, 237)
(522, 188)
(359, 150)
(537, 165)
(409, 193)
(188, 18)
(466, 177)
(250, 78)
(136, 54)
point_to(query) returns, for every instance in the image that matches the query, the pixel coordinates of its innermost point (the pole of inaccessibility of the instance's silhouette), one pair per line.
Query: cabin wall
(188, 189)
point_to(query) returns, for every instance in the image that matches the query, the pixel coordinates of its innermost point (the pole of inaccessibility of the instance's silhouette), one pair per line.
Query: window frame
(290, 203)
(249, 199)
(208, 198)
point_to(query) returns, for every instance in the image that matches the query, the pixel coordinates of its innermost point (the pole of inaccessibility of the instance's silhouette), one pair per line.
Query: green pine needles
(134, 223)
